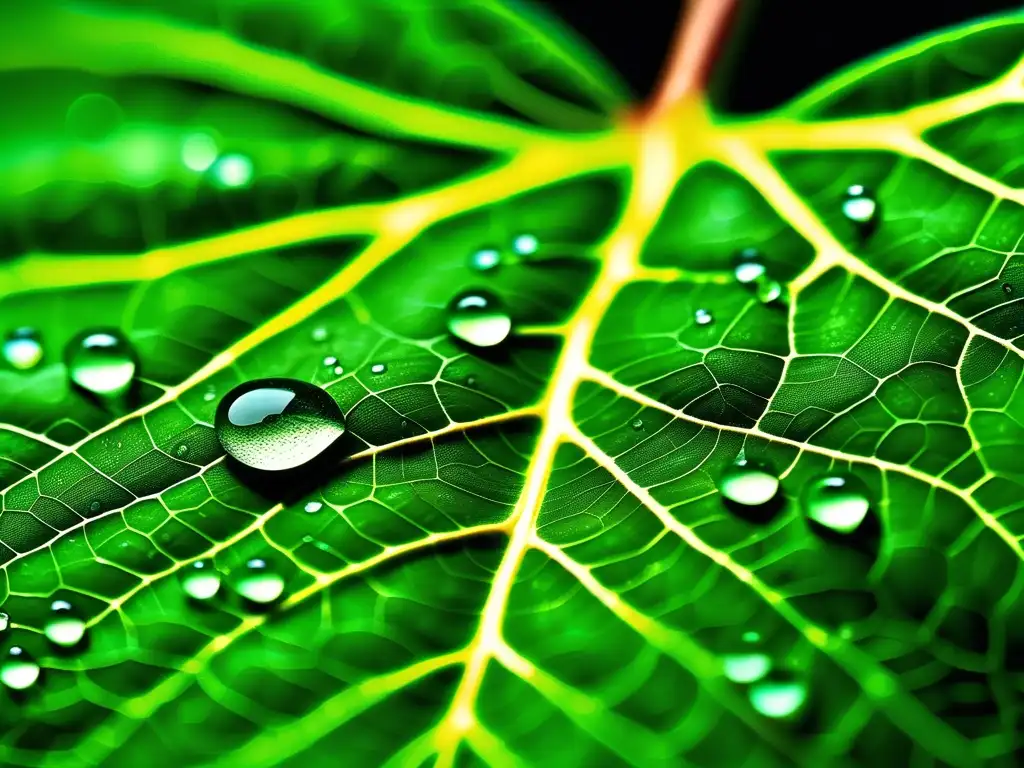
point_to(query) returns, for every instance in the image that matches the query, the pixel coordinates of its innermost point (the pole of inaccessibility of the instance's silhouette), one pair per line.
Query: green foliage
(614, 538)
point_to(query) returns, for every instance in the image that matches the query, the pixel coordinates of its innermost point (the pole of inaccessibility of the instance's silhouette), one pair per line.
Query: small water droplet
(18, 670)
(638, 424)
(485, 259)
(471, 381)
(860, 206)
(5, 621)
(210, 395)
(746, 667)
(313, 506)
(233, 170)
(477, 318)
(748, 265)
(703, 317)
(330, 361)
(378, 368)
(95, 507)
(319, 334)
(778, 698)
(338, 370)
(839, 502)
(23, 349)
(181, 451)
(258, 582)
(768, 290)
(525, 245)
(748, 484)
(277, 424)
(101, 362)
(1007, 288)
(64, 627)
(200, 580)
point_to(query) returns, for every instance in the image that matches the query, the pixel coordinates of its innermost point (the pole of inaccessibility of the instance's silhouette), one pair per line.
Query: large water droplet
(748, 265)
(477, 318)
(839, 502)
(703, 317)
(64, 626)
(200, 580)
(748, 484)
(101, 362)
(485, 259)
(778, 698)
(23, 349)
(860, 206)
(525, 245)
(277, 424)
(18, 670)
(746, 667)
(258, 582)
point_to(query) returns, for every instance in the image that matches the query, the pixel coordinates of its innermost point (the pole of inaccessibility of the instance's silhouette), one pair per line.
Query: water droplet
(5, 621)
(210, 395)
(18, 670)
(471, 381)
(181, 451)
(1007, 288)
(277, 424)
(478, 319)
(746, 667)
(703, 317)
(638, 424)
(748, 484)
(93, 117)
(838, 502)
(768, 290)
(198, 151)
(378, 368)
(233, 170)
(313, 506)
(485, 259)
(64, 627)
(525, 245)
(860, 206)
(258, 582)
(748, 265)
(330, 360)
(95, 507)
(200, 580)
(777, 698)
(23, 349)
(101, 362)
(319, 334)
(338, 370)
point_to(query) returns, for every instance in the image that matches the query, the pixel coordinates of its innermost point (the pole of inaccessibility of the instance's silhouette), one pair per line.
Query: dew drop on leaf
(64, 626)
(313, 506)
(638, 424)
(258, 582)
(525, 245)
(1007, 288)
(748, 484)
(319, 334)
(703, 317)
(778, 698)
(181, 451)
(748, 265)
(200, 580)
(338, 370)
(95, 507)
(330, 361)
(210, 394)
(477, 318)
(5, 621)
(18, 670)
(860, 206)
(378, 368)
(746, 667)
(23, 349)
(277, 424)
(485, 259)
(838, 502)
(101, 362)
(768, 290)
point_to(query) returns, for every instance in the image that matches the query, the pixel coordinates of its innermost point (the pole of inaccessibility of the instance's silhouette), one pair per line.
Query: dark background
(778, 47)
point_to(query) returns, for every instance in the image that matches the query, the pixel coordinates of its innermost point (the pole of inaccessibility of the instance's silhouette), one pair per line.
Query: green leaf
(543, 554)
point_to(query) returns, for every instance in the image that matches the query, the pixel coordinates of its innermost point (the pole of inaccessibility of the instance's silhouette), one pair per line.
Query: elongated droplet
(101, 362)
(485, 259)
(23, 349)
(277, 424)
(18, 670)
(525, 245)
(330, 361)
(839, 502)
(703, 317)
(748, 265)
(313, 506)
(774, 698)
(378, 368)
(200, 580)
(258, 582)
(860, 206)
(746, 667)
(64, 626)
(748, 484)
(477, 318)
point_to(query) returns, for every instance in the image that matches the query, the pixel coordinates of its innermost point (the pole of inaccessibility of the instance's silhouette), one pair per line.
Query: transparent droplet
(746, 667)
(338, 370)
(319, 334)
(703, 317)
(378, 368)
(233, 170)
(748, 484)
(23, 349)
(330, 361)
(210, 395)
(277, 424)
(313, 506)
(18, 670)
(748, 265)
(775, 698)
(768, 290)
(525, 245)
(64, 626)
(101, 362)
(198, 151)
(839, 502)
(485, 259)
(93, 117)
(477, 318)
(638, 424)
(1007, 288)
(859, 205)
(258, 582)
(5, 621)
(95, 507)
(200, 580)
(181, 451)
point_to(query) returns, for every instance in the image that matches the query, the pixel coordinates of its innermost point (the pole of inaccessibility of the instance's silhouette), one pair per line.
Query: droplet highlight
(703, 317)
(312, 507)
(378, 368)
(233, 170)
(477, 318)
(838, 502)
(200, 580)
(64, 626)
(23, 349)
(485, 259)
(18, 670)
(748, 484)
(525, 245)
(748, 266)
(860, 206)
(746, 667)
(258, 582)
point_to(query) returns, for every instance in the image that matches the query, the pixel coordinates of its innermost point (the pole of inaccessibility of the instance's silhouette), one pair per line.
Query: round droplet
(838, 502)
(775, 698)
(93, 117)
(703, 317)
(746, 667)
(181, 451)
(258, 582)
(485, 259)
(277, 424)
(198, 151)
(330, 360)
(860, 206)
(338, 370)
(233, 170)
(638, 424)
(378, 368)
(64, 627)
(23, 349)
(478, 319)
(200, 580)
(1007, 288)
(319, 334)
(101, 362)
(5, 621)
(748, 265)
(95, 507)
(18, 670)
(525, 245)
(313, 506)
(748, 484)
(768, 290)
